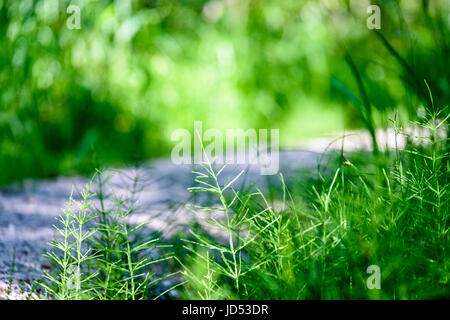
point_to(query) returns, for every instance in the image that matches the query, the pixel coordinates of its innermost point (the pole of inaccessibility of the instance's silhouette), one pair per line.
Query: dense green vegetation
(311, 237)
(114, 90)
(319, 242)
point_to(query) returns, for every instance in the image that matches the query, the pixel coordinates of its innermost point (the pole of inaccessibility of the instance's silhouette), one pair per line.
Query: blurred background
(113, 91)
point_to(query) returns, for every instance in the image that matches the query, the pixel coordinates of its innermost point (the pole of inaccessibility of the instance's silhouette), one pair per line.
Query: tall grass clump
(320, 241)
(99, 254)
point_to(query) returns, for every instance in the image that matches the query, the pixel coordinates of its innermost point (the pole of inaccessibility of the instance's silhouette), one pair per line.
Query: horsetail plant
(101, 254)
(70, 253)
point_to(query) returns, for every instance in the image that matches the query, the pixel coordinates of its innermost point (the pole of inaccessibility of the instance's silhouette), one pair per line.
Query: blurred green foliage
(114, 90)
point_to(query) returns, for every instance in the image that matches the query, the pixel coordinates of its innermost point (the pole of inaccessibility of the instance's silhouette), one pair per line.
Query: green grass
(98, 254)
(310, 237)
